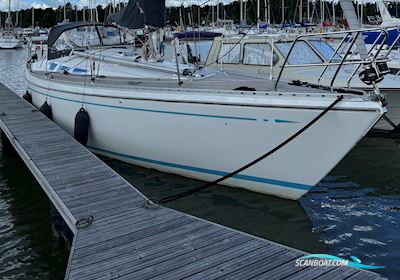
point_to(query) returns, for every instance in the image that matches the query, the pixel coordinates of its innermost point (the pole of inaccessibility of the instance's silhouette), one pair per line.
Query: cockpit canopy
(64, 38)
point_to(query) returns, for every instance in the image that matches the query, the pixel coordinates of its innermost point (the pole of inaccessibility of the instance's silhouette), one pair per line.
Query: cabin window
(63, 68)
(229, 53)
(109, 35)
(52, 66)
(79, 70)
(324, 49)
(302, 53)
(258, 54)
(196, 50)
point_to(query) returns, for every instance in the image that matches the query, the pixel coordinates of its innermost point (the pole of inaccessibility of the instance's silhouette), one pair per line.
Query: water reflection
(28, 248)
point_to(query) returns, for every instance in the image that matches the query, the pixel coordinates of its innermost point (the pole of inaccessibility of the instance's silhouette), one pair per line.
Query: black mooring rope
(209, 184)
(395, 127)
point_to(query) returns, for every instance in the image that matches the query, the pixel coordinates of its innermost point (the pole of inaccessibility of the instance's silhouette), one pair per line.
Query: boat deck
(127, 240)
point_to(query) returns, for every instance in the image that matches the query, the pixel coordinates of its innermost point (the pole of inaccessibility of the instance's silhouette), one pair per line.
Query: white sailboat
(264, 56)
(199, 123)
(8, 35)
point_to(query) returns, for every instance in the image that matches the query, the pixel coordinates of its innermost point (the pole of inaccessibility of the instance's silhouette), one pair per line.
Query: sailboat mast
(17, 16)
(65, 12)
(245, 11)
(217, 10)
(301, 11)
(33, 17)
(266, 17)
(9, 8)
(241, 11)
(212, 12)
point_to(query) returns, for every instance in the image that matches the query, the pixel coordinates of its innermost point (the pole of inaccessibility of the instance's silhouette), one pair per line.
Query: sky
(26, 4)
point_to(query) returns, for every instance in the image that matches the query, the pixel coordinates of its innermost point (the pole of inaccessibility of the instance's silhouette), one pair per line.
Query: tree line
(192, 15)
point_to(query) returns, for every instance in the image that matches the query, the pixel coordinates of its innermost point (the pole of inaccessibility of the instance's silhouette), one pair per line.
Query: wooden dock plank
(221, 270)
(364, 276)
(339, 273)
(125, 265)
(127, 239)
(227, 245)
(103, 251)
(155, 253)
(133, 245)
(312, 272)
(264, 265)
(283, 271)
(222, 257)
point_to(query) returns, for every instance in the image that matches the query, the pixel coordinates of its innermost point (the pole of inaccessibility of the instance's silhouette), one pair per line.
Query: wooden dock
(127, 240)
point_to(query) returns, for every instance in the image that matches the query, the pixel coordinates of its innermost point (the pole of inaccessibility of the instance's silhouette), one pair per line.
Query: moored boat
(195, 122)
(8, 35)
(313, 62)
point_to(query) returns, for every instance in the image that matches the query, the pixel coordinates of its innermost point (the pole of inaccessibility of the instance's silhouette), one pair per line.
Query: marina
(111, 233)
(222, 149)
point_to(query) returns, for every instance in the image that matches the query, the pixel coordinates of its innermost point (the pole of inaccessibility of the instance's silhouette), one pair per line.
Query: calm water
(354, 211)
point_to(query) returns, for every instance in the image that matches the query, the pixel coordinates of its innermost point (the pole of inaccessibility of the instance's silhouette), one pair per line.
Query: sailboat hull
(11, 43)
(175, 131)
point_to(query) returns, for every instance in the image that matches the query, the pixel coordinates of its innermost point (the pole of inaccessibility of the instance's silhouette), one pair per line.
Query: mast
(351, 17)
(212, 12)
(9, 8)
(180, 18)
(17, 16)
(217, 10)
(322, 11)
(258, 13)
(65, 12)
(241, 11)
(199, 15)
(245, 12)
(33, 17)
(283, 11)
(8, 23)
(301, 11)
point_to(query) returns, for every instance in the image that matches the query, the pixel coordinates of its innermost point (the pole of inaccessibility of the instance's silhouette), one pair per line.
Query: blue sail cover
(139, 13)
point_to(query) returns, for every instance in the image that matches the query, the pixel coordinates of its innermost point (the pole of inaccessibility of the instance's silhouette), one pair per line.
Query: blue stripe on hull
(209, 171)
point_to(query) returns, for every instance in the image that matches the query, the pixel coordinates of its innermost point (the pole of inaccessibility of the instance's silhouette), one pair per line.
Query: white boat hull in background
(175, 131)
(10, 43)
